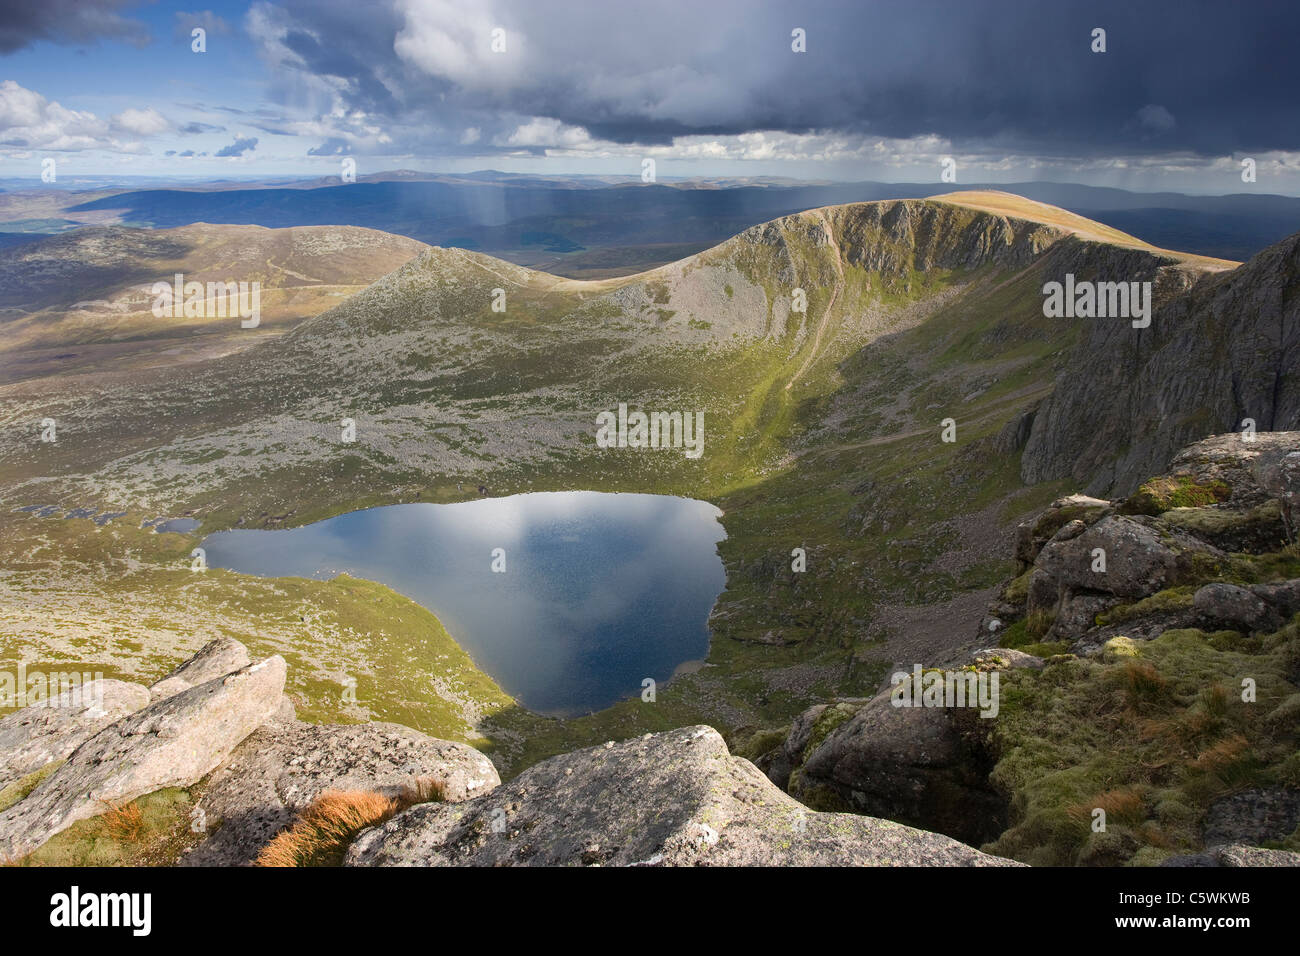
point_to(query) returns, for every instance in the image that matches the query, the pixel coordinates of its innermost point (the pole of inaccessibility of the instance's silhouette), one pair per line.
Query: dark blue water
(599, 590)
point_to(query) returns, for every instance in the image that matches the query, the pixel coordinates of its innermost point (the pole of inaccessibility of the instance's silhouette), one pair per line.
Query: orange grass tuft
(325, 828)
(125, 823)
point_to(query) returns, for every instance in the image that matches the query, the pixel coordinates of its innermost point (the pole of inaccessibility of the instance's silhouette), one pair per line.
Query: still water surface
(599, 590)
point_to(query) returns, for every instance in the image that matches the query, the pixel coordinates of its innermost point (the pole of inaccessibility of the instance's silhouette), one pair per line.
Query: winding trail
(826, 315)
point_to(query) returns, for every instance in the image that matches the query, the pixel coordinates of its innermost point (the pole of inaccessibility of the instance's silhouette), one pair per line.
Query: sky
(1182, 94)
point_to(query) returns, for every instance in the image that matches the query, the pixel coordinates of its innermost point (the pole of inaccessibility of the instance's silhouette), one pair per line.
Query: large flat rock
(670, 799)
(214, 659)
(174, 742)
(284, 766)
(49, 730)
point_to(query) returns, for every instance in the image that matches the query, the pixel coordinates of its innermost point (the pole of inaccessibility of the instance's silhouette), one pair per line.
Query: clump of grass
(1029, 631)
(1161, 494)
(1017, 592)
(1229, 760)
(1204, 720)
(1038, 622)
(760, 742)
(322, 832)
(1122, 805)
(1045, 649)
(125, 823)
(1144, 686)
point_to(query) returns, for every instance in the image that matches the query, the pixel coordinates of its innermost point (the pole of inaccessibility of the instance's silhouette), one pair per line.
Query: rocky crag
(1149, 651)
(222, 725)
(1221, 348)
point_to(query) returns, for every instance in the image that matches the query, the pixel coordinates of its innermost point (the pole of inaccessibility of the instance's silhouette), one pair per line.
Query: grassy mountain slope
(81, 301)
(822, 431)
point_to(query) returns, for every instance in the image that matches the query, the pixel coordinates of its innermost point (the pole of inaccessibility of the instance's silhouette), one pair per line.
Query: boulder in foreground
(279, 770)
(670, 799)
(173, 742)
(47, 731)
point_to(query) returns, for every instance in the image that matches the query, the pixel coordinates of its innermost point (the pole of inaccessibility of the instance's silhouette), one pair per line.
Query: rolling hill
(82, 300)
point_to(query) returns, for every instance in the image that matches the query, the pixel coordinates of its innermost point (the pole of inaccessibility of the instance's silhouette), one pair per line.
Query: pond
(569, 600)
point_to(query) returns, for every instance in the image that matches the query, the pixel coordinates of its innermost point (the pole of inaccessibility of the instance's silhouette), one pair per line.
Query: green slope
(822, 432)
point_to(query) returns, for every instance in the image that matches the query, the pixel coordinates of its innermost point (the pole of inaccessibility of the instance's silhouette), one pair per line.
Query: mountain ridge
(823, 431)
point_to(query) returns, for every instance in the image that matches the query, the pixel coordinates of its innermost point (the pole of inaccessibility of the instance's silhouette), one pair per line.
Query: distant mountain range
(597, 227)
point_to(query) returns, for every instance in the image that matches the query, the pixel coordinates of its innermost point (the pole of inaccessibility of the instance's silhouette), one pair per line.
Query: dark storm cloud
(24, 22)
(995, 75)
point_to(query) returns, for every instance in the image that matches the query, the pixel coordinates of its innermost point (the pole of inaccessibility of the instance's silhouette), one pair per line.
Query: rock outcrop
(173, 742)
(225, 723)
(215, 659)
(1093, 569)
(670, 799)
(44, 732)
(280, 769)
(1218, 351)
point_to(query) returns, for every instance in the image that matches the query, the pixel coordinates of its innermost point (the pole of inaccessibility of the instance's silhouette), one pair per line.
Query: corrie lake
(569, 600)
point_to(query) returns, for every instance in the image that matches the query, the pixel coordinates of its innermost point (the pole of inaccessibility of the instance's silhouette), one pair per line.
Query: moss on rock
(1168, 719)
(1159, 495)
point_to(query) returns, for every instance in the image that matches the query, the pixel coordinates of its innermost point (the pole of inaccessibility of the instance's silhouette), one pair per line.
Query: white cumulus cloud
(145, 122)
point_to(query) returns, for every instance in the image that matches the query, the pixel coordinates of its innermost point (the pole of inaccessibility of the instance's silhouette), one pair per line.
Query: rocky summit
(673, 799)
(669, 799)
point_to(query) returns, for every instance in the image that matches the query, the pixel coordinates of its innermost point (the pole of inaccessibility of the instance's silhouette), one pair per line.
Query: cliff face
(890, 240)
(1222, 345)
(1220, 349)
(892, 237)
